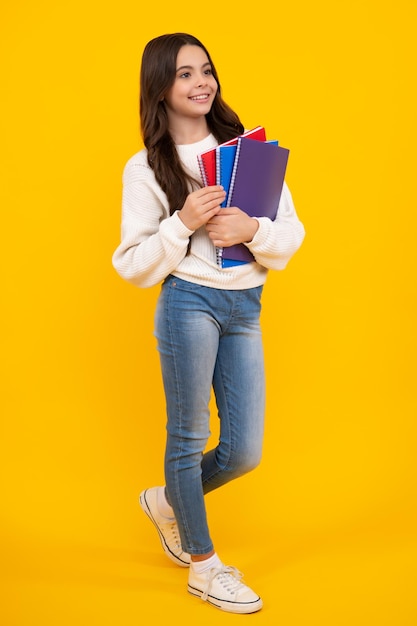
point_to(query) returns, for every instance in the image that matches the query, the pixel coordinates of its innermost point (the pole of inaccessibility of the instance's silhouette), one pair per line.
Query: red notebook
(207, 159)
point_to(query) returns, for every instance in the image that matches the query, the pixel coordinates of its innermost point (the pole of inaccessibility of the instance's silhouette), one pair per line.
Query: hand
(201, 205)
(231, 226)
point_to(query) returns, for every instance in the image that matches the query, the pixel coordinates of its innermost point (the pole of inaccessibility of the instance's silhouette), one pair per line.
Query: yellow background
(325, 529)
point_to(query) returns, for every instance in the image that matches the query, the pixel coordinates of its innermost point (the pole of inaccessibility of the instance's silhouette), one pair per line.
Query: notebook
(225, 158)
(256, 185)
(207, 159)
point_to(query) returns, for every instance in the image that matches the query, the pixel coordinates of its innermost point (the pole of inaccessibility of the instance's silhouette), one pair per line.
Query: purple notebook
(256, 185)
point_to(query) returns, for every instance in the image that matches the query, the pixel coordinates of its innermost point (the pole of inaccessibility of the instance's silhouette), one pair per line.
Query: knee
(245, 462)
(252, 462)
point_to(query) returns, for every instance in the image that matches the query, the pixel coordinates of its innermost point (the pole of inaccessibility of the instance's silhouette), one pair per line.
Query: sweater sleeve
(152, 242)
(275, 242)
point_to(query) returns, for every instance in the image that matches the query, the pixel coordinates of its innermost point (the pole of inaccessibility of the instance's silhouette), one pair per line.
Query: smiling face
(194, 87)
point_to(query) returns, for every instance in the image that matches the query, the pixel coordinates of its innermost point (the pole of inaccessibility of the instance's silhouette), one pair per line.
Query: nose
(201, 80)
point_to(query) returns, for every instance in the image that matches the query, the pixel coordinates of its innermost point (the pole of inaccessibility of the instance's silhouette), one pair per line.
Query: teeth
(199, 97)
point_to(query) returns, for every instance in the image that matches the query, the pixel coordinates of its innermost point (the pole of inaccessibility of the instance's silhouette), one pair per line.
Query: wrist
(254, 225)
(184, 221)
(184, 225)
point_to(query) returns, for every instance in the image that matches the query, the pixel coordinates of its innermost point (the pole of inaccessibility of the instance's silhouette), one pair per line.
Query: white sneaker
(222, 587)
(167, 529)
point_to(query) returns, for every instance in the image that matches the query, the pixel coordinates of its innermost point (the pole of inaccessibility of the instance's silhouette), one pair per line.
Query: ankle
(203, 565)
(164, 508)
(202, 557)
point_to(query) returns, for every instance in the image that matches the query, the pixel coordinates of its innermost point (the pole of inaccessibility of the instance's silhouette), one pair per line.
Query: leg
(188, 338)
(189, 323)
(239, 385)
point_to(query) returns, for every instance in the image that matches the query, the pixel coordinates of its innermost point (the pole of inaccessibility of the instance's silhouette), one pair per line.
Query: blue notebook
(256, 185)
(225, 157)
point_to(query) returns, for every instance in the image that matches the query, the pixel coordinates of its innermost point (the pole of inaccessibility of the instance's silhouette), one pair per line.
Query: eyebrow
(190, 67)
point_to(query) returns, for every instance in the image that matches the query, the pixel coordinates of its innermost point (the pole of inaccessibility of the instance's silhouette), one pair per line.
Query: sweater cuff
(258, 236)
(179, 227)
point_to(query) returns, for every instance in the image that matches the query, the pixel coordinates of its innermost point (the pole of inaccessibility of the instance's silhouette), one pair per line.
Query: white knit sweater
(154, 244)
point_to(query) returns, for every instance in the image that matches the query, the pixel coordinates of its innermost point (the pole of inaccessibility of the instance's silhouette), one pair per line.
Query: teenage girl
(207, 317)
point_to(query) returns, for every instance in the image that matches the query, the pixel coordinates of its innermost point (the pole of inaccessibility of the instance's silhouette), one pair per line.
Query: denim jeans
(208, 338)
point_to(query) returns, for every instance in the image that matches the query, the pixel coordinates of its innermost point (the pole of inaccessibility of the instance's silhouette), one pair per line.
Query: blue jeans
(208, 338)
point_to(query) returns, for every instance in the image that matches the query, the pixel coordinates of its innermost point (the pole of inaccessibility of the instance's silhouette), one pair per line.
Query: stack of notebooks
(252, 171)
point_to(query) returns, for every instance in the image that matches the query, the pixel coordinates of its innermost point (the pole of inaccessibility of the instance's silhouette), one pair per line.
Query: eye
(184, 75)
(208, 72)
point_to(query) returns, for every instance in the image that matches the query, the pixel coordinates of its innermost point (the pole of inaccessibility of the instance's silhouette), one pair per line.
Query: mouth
(200, 98)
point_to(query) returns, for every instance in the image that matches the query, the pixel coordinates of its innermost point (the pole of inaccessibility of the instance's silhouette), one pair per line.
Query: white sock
(163, 507)
(199, 567)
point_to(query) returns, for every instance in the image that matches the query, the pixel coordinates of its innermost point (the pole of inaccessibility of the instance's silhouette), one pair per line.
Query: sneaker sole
(174, 558)
(230, 607)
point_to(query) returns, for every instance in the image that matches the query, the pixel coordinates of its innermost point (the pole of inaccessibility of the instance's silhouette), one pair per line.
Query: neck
(189, 131)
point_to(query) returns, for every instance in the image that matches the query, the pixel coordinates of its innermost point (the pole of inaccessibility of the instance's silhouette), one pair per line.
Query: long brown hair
(158, 70)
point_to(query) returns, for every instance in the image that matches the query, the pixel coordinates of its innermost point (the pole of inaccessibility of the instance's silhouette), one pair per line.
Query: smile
(202, 97)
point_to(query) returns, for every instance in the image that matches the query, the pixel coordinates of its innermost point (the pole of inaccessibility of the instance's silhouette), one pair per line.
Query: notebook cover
(256, 185)
(225, 158)
(207, 164)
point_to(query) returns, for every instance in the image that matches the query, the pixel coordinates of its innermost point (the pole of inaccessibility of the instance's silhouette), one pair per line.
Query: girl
(207, 317)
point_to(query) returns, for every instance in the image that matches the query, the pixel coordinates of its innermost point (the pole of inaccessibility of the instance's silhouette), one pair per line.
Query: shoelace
(229, 578)
(172, 534)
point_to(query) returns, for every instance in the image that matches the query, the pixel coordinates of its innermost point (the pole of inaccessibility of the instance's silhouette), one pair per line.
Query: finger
(215, 220)
(231, 211)
(208, 192)
(212, 205)
(214, 188)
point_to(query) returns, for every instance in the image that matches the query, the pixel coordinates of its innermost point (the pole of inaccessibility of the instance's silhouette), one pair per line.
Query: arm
(272, 243)
(275, 242)
(152, 242)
